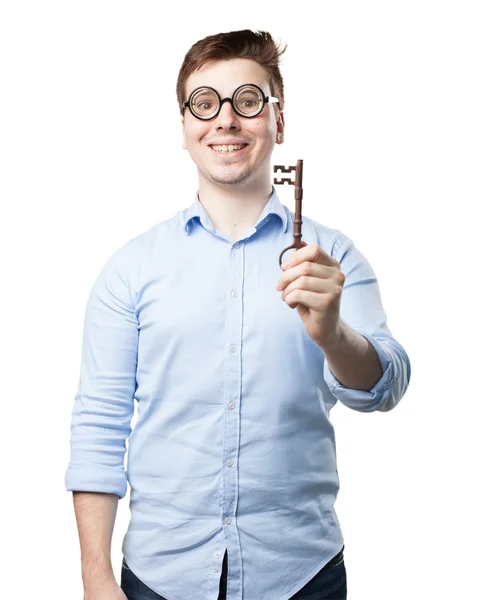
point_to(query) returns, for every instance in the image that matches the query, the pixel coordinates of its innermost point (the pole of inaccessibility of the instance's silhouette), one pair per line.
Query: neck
(234, 208)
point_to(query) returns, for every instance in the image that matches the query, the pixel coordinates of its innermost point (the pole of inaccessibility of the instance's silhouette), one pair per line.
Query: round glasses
(248, 101)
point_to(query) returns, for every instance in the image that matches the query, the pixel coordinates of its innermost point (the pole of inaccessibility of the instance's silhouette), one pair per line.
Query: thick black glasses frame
(186, 103)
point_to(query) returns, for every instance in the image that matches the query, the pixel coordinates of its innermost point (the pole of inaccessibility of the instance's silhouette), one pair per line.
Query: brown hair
(258, 46)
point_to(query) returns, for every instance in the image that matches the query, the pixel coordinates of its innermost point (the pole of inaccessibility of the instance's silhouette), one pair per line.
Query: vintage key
(298, 195)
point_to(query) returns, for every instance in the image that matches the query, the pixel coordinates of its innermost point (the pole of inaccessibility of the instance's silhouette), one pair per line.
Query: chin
(230, 177)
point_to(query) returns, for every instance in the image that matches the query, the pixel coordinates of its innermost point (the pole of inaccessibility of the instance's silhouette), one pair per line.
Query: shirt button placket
(232, 395)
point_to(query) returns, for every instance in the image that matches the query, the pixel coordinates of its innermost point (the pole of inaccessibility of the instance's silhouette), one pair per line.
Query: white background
(382, 105)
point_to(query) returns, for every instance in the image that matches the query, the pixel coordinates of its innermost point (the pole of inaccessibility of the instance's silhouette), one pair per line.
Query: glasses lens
(248, 101)
(204, 102)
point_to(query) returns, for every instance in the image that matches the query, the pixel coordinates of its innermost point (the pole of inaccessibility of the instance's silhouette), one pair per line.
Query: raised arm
(363, 312)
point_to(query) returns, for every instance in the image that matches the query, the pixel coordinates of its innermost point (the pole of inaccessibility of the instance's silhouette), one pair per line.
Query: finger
(313, 253)
(311, 284)
(308, 269)
(312, 300)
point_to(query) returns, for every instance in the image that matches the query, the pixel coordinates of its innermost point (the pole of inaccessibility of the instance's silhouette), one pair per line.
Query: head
(224, 62)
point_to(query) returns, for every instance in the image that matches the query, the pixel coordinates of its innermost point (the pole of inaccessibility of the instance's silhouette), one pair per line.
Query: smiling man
(231, 151)
(235, 365)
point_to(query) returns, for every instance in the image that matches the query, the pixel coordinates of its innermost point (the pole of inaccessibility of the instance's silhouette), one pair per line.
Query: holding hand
(313, 283)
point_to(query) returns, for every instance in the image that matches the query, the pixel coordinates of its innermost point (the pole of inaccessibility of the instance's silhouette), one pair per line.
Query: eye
(249, 103)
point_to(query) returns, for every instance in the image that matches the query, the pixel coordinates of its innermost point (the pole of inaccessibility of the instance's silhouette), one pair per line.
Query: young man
(235, 364)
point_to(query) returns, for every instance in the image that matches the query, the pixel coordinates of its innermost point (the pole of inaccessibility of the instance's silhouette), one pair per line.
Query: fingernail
(285, 264)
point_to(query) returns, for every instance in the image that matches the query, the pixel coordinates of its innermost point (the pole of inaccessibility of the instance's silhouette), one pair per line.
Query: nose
(227, 118)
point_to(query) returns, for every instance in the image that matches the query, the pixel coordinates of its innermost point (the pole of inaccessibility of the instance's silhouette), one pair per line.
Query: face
(258, 135)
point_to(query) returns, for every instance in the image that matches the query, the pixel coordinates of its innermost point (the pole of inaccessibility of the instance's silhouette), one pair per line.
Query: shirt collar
(272, 207)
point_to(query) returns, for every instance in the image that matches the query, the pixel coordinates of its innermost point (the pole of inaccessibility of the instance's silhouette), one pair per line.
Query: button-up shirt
(233, 447)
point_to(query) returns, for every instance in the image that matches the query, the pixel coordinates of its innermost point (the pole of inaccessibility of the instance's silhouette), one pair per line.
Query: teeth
(229, 148)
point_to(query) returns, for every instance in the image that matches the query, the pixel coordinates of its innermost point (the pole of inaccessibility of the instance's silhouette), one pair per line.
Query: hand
(106, 590)
(313, 283)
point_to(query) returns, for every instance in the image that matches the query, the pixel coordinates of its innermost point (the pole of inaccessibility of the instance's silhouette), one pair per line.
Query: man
(232, 462)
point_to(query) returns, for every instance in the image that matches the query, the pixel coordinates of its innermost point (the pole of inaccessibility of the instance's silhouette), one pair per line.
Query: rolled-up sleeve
(104, 402)
(361, 309)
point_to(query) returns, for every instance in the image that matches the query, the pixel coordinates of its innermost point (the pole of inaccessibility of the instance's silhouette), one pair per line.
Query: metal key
(298, 195)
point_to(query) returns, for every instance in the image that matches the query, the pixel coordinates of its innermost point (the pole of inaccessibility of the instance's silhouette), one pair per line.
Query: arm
(353, 360)
(102, 411)
(353, 367)
(95, 516)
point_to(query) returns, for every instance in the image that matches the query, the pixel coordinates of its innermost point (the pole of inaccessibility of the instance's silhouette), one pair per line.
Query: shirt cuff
(361, 400)
(96, 479)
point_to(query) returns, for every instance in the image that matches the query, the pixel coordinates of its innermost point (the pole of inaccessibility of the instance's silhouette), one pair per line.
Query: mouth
(228, 150)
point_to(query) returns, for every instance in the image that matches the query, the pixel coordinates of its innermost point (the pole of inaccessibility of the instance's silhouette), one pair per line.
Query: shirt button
(233, 348)
(228, 521)
(231, 405)
(229, 463)
(216, 569)
(236, 245)
(217, 554)
(234, 293)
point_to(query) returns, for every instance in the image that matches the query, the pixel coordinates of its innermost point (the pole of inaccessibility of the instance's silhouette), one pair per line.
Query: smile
(229, 149)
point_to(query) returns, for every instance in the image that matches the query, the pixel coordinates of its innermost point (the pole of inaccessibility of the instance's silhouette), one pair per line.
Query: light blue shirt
(233, 447)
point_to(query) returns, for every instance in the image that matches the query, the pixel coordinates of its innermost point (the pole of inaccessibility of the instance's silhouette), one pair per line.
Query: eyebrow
(231, 93)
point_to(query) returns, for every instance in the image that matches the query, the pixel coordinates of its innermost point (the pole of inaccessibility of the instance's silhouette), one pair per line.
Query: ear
(185, 147)
(280, 128)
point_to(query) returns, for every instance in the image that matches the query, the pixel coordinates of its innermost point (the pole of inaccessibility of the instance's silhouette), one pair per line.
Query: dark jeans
(328, 584)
